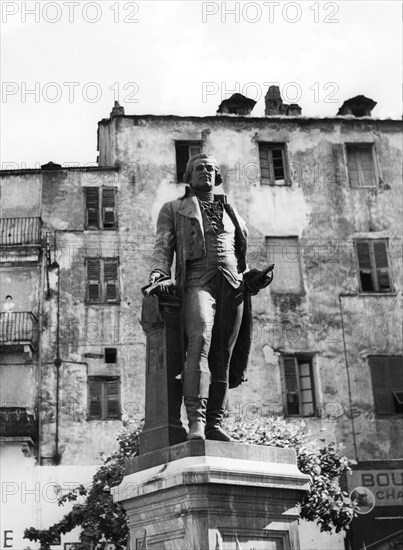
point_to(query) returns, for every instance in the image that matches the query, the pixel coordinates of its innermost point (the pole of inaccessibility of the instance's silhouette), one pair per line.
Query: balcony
(18, 332)
(17, 423)
(20, 239)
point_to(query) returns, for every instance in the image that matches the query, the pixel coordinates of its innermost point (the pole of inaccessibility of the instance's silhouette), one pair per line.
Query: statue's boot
(215, 411)
(196, 413)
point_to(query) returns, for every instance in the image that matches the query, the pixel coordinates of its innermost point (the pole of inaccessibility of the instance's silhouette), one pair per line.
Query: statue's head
(202, 162)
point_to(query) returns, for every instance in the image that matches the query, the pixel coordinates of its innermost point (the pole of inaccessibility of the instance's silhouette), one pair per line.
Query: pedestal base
(209, 495)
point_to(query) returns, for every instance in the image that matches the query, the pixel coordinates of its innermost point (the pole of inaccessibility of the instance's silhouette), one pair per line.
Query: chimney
(357, 106)
(117, 110)
(237, 104)
(275, 105)
(51, 166)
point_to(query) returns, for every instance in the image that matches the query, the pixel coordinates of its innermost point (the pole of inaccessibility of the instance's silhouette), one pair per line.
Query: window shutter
(364, 263)
(367, 167)
(278, 163)
(382, 395)
(306, 390)
(352, 165)
(95, 398)
(111, 280)
(381, 263)
(291, 384)
(396, 372)
(108, 207)
(92, 207)
(112, 399)
(264, 157)
(93, 279)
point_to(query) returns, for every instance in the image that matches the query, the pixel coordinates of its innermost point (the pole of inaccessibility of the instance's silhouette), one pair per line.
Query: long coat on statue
(180, 231)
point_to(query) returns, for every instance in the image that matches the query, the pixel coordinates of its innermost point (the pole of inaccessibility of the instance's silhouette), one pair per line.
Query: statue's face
(203, 175)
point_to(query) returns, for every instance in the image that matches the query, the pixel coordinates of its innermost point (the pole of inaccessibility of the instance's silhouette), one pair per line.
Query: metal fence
(20, 231)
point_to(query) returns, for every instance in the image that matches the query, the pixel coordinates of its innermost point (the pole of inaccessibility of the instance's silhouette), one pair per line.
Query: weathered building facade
(322, 199)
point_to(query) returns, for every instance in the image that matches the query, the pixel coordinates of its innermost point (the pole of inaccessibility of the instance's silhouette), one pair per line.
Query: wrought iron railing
(18, 327)
(20, 231)
(17, 422)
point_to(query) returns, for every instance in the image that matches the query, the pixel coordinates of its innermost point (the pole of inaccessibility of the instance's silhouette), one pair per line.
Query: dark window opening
(184, 150)
(110, 355)
(387, 384)
(373, 265)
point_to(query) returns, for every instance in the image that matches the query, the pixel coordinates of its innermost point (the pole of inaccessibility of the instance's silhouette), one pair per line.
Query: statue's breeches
(212, 318)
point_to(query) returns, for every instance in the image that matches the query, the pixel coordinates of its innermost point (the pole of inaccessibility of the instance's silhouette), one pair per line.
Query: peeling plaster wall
(322, 209)
(319, 207)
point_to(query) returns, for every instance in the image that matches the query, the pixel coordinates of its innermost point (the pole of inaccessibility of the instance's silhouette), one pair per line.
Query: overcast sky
(182, 58)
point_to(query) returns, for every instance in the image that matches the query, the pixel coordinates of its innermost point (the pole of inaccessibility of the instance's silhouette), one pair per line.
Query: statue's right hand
(154, 276)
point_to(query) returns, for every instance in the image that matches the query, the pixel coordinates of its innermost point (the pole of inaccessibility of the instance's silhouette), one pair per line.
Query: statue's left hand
(256, 279)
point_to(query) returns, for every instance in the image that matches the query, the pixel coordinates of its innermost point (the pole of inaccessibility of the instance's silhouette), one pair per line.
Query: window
(360, 164)
(272, 157)
(387, 383)
(110, 355)
(299, 386)
(100, 208)
(184, 150)
(104, 398)
(285, 253)
(102, 280)
(373, 265)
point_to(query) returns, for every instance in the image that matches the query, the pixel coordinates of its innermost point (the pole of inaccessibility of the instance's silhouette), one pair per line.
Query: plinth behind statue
(164, 357)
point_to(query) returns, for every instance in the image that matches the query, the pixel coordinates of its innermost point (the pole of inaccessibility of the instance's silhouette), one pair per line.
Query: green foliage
(101, 519)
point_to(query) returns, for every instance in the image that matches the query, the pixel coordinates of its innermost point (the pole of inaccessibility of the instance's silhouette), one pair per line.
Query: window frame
(386, 376)
(299, 358)
(270, 146)
(296, 239)
(105, 415)
(102, 282)
(357, 146)
(101, 210)
(190, 143)
(374, 269)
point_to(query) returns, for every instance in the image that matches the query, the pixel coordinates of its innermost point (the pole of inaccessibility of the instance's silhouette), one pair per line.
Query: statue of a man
(209, 238)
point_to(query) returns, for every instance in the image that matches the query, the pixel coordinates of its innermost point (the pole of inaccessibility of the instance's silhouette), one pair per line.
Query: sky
(64, 63)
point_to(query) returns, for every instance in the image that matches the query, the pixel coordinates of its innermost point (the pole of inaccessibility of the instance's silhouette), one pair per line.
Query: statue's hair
(187, 176)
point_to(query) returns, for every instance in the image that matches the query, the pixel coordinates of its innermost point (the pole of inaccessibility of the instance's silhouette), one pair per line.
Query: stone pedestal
(203, 495)
(164, 361)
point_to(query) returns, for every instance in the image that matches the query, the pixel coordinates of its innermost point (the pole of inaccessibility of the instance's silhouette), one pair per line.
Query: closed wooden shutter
(367, 167)
(108, 208)
(111, 280)
(360, 165)
(112, 399)
(93, 279)
(92, 207)
(95, 398)
(265, 165)
(352, 166)
(381, 385)
(292, 385)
